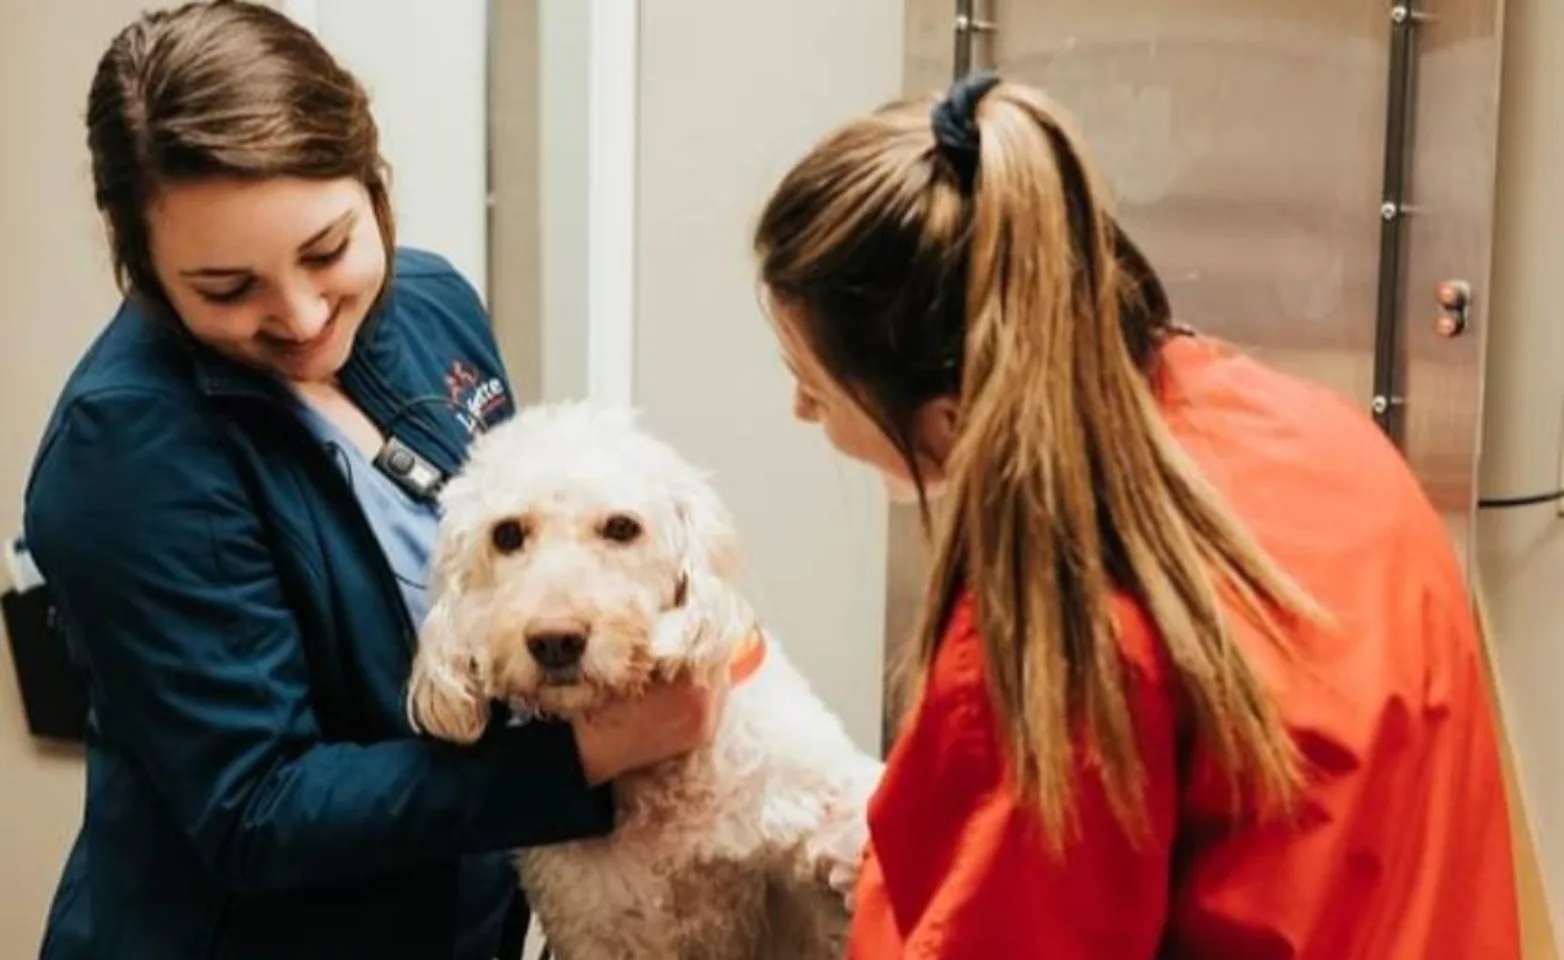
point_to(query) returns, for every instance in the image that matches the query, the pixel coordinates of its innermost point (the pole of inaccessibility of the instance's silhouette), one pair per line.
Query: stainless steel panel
(1245, 143)
(1450, 235)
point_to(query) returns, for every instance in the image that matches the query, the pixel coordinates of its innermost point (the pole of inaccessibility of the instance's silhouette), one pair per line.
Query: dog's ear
(709, 544)
(708, 613)
(447, 691)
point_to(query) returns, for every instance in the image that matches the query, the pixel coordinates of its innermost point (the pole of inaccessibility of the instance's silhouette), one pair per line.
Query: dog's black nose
(557, 651)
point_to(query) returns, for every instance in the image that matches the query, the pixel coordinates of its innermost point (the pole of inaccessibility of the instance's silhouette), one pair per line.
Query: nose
(302, 313)
(557, 649)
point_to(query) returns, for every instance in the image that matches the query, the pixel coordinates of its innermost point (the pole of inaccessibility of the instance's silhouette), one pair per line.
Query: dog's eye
(508, 536)
(621, 529)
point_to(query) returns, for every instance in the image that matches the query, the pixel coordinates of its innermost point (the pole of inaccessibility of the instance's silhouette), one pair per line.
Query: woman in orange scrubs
(1197, 674)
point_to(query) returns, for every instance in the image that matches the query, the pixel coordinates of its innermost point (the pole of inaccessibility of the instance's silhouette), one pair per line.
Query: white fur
(733, 852)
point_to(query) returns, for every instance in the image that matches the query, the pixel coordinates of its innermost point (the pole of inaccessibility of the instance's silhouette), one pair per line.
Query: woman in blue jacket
(240, 580)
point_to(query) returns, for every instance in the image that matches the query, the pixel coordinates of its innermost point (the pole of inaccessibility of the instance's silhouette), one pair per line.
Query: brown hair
(220, 89)
(1019, 295)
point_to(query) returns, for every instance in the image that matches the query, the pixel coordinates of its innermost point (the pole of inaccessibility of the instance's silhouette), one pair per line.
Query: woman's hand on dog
(670, 719)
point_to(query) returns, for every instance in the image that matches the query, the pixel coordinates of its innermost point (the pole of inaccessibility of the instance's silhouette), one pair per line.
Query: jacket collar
(214, 373)
(379, 375)
(218, 376)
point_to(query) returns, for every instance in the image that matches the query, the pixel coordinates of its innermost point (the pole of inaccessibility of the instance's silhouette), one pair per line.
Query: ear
(707, 626)
(707, 613)
(709, 543)
(937, 423)
(445, 694)
(447, 691)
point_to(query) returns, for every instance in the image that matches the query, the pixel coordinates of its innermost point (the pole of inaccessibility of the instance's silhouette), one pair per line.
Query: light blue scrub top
(404, 526)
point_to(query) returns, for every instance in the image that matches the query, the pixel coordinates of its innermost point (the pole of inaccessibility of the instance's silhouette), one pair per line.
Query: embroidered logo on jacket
(474, 398)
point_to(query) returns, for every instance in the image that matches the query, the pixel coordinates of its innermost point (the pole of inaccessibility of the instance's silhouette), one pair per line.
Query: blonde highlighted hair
(1010, 287)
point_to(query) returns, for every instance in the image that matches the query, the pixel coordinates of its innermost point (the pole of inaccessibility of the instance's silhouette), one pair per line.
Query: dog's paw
(837, 854)
(836, 851)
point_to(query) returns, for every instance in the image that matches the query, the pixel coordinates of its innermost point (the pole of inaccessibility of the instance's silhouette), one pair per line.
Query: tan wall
(57, 294)
(1521, 552)
(730, 95)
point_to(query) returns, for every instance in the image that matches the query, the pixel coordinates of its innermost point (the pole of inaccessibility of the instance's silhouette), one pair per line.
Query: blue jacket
(253, 789)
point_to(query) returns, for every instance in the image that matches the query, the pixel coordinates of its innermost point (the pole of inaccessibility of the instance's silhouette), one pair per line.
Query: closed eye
(315, 261)
(229, 295)
(329, 257)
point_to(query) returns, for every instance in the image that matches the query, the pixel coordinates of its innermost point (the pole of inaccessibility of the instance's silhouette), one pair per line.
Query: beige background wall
(57, 293)
(719, 123)
(423, 63)
(561, 78)
(1521, 552)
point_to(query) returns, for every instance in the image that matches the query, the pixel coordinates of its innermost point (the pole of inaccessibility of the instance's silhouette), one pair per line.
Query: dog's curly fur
(724, 854)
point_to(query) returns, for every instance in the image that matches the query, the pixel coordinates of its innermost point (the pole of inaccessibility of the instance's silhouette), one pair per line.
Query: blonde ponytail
(1065, 487)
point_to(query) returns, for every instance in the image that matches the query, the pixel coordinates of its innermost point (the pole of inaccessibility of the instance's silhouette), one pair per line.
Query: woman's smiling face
(278, 274)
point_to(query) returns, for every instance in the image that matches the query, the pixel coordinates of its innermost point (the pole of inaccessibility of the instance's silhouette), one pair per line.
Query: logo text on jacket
(475, 399)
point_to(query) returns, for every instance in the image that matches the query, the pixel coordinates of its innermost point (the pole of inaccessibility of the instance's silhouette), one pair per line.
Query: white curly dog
(578, 558)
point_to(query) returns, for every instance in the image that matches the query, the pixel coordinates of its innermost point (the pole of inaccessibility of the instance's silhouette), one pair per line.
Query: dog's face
(577, 557)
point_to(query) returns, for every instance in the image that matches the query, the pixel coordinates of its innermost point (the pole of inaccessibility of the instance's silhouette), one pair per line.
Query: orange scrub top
(1403, 852)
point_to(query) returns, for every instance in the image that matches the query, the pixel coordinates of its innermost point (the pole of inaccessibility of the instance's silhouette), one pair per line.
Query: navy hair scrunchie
(955, 123)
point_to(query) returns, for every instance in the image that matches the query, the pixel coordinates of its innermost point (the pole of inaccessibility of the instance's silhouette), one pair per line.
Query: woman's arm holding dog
(198, 671)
